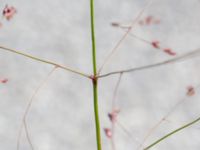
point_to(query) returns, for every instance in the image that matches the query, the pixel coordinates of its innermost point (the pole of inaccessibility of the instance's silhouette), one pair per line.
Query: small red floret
(108, 132)
(149, 20)
(113, 115)
(190, 91)
(3, 80)
(169, 51)
(9, 12)
(155, 44)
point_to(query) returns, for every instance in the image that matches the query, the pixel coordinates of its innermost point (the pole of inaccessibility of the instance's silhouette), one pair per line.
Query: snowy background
(61, 116)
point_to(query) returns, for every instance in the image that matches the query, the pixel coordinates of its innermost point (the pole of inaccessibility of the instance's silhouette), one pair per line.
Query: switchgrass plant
(138, 141)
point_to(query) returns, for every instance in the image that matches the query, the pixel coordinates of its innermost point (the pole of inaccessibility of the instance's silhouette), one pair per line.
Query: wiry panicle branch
(189, 93)
(183, 57)
(24, 122)
(44, 61)
(148, 3)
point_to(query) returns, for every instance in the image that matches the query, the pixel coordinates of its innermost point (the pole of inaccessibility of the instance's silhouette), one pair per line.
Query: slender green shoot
(172, 133)
(94, 77)
(93, 36)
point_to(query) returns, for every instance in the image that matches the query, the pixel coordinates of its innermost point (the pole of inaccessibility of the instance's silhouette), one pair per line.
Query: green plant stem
(94, 78)
(172, 133)
(93, 37)
(44, 61)
(96, 112)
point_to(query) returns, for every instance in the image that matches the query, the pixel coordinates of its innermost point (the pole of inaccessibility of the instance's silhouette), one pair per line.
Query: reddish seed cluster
(149, 20)
(9, 12)
(113, 115)
(155, 44)
(115, 24)
(108, 132)
(169, 51)
(190, 91)
(113, 118)
(3, 80)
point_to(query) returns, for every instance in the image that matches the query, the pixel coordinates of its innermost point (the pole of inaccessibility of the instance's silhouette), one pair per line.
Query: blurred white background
(61, 116)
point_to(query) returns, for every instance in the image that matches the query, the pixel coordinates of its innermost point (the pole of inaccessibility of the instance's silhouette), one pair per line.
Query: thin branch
(125, 28)
(43, 60)
(27, 134)
(165, 117)
(24, 124)
(123, 128)
(148, 3)
(155, 44)
(114, 118)
(160, 122)
(115, 92)
(183, 57)
(172, 133)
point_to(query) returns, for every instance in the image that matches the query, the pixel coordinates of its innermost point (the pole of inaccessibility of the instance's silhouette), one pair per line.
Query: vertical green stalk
(97, 122)
(93, 37)
(94, 78)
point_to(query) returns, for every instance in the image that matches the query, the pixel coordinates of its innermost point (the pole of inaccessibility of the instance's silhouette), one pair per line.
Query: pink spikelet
(155, 44)
(190, 91)
(9, 12)
(108, 132)
(169, 51)
(113, 115)
(3, 80)
(149, 20)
